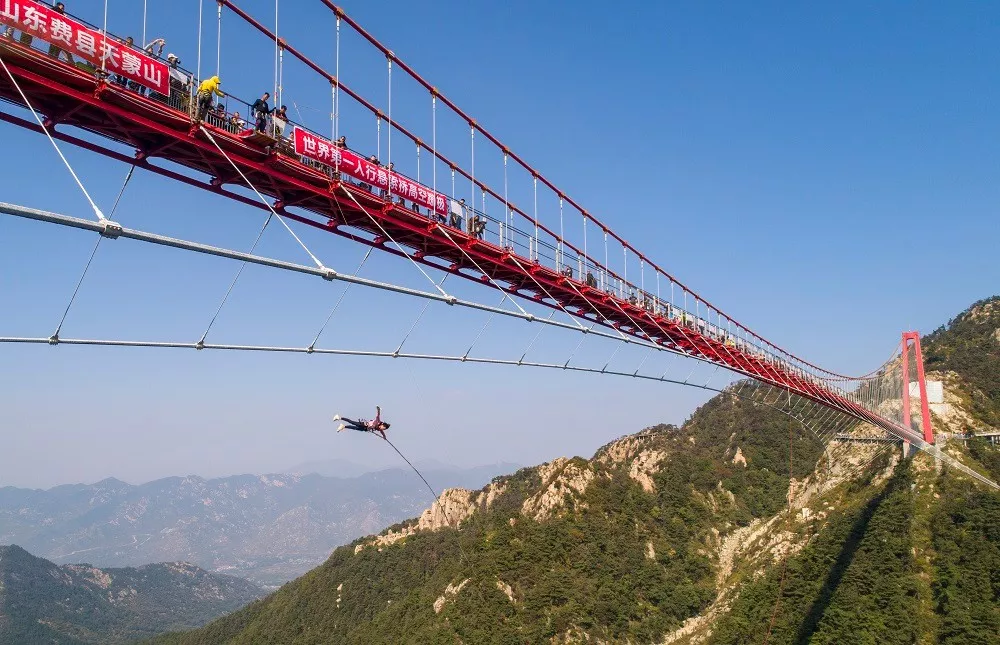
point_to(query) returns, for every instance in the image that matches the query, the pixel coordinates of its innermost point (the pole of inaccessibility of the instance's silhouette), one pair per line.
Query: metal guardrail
(233, 116)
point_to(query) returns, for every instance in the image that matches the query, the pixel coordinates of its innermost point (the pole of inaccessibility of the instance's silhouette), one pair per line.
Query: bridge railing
(539, 245)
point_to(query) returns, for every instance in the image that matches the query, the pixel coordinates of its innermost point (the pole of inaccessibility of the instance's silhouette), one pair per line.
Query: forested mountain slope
(678, 535)
(621, 546)
(41, 602)
(916, 559)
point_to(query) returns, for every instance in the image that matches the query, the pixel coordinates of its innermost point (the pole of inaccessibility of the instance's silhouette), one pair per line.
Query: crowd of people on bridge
(272, 122)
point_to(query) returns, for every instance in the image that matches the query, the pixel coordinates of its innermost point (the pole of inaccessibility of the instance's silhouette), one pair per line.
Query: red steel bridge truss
(528, 257)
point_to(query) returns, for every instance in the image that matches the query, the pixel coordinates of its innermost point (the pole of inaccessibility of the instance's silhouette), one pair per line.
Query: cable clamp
(111, 230)
(54, 339)
(329, 274)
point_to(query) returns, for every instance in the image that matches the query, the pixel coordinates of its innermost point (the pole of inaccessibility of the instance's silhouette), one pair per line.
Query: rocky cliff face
(562, 480)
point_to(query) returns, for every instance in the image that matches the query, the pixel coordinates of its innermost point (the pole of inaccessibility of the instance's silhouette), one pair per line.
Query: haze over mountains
(267, 528)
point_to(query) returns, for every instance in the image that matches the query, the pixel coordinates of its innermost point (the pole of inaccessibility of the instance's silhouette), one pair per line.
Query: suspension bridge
(559, 266)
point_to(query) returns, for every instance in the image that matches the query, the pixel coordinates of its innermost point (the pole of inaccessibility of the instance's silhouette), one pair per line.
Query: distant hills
(267, 528)
(41, 602)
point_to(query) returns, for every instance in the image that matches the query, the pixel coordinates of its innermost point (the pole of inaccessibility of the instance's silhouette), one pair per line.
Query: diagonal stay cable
(481, 331)
(261, 197)
(93, 253)
(232, 284)
(450, 299)
(506, 296)
(420, 316)
(325, 273)
(340, 300)
(575, 350)
(41, 123)
(537, 334)
(549, 295)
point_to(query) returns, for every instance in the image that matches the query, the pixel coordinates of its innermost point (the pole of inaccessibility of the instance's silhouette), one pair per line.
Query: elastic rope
(426, 483)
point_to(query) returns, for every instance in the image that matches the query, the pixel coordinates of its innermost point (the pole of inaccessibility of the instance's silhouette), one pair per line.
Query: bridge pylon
(925, 411)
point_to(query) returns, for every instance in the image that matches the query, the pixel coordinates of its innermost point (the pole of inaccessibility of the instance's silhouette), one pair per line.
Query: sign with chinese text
(319, 149)
(57, 29)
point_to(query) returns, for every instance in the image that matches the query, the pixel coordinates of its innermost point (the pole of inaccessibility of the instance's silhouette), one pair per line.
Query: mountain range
(41, 602)
(267, 528)
(738, 527)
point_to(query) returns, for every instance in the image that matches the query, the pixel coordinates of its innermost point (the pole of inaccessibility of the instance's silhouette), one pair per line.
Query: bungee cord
(437, 497)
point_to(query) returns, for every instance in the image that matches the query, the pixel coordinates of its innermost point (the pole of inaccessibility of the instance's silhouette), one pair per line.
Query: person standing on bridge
(261, 110)
(205, 92)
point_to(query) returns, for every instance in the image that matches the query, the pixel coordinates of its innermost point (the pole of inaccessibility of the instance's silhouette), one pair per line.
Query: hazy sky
(828, 174)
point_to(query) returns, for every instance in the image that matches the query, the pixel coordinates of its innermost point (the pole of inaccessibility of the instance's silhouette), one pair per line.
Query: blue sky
(827, 174)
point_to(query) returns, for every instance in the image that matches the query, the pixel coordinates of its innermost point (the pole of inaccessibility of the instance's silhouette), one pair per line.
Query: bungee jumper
(378, 427)
(362, 425)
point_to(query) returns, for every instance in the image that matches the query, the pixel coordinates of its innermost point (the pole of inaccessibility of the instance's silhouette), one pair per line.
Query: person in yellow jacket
(205, 92)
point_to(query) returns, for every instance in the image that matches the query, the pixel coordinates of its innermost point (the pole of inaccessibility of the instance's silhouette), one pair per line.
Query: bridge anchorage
(553, 263)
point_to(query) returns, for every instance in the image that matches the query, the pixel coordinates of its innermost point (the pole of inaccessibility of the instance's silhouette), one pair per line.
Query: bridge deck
(69, 96)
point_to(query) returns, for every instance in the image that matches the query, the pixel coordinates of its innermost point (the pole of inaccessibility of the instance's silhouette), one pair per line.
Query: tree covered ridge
(911, 558)
(617, 563)
(860, 578)
(41, 602)
(969, 345)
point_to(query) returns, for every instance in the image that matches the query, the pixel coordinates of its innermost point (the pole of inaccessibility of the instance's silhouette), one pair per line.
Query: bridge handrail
(609, 282)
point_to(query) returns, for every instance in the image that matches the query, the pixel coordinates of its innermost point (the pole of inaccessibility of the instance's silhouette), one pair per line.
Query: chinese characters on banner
(62, 31)
(309, 145)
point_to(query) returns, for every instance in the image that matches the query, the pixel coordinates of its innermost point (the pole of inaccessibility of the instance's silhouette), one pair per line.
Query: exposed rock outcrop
(643, 461)
(454, 506)
(506, 589)
(449, 592)
(559, 478)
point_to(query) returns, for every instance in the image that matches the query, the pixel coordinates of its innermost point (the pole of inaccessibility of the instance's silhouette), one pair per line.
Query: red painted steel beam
(535, 173)
(317, 194)
(402, 129)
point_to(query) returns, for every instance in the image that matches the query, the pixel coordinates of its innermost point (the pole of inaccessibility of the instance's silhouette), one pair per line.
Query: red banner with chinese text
(319, 149)
(60, 30)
